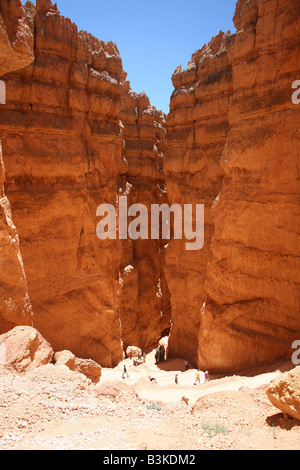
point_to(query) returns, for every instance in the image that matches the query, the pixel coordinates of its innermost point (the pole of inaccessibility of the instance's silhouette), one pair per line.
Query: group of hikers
(197, 377)
(160, 356)
(140, 359)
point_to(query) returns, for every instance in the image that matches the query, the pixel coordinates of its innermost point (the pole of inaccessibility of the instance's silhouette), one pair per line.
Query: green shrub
(153, 406)
(214, 429)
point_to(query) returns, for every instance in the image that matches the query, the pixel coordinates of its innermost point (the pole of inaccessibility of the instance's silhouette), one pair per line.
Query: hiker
(197, 377)
(206, 377)
(176, 378)
(152, 379)
(130, 354)
(125, 373)
(186, 365)
(157, 356)
(144, 356)
(161, 353)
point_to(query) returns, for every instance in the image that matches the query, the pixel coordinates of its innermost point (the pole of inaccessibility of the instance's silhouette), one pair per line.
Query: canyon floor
(52, 408)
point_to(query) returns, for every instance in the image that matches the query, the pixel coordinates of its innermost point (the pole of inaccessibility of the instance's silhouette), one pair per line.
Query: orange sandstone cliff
(145, 305)
(16, 51)
(197, 127)
(75, 135)
(251, 312)
(233, 144)
(62, 150)
(16, 36)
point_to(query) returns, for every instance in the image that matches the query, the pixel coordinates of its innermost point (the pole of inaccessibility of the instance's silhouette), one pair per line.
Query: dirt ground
(52, 408)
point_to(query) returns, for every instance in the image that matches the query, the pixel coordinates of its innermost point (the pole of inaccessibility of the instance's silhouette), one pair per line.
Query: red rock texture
(16, 38)
(62, 143)
(87, 367)
(197, 127)
(16, 51)
(284, 393)
(251, 314)
(76, 136)
(14, 298)
(145, 304)
(232, 143)
(23, 348)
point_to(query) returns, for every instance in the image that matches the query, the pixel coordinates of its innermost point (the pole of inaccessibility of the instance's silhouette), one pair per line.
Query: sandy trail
(166, 391)
(52, 408)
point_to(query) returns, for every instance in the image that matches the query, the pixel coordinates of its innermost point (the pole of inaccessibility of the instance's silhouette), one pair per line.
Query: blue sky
(153, 37)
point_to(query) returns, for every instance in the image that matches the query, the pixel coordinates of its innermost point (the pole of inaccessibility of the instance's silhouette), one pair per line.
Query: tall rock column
(197, 127)
(62, 144)
(251, 313)
(145, 304)
(16, 51)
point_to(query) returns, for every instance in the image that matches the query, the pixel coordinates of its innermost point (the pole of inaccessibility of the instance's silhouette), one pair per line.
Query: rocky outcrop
(145, 304)
(87, 367)
(62, 151)
(16, 51)
(113, 389)
(197, 128)
(232, 145)
(284, 393)
(251, 313)
(14, 298)
(23, 348)
(76, 136)
(16, 38)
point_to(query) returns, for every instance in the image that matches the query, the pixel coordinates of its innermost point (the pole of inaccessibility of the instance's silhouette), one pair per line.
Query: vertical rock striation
(16, 38)
(62, 142)
(251, 314)
(76, 136)
(16, 51)
(197, 127)
(233, 144)
(145, 304)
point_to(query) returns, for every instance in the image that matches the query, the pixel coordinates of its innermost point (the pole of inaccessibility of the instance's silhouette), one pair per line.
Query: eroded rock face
(197, 127)
(62, 142)
(251, 313)
(232, 144)
(76, 136)
(16, 51)
(23, 348)
(284, 393)
(87, 367)
(14, 298)
(16, 38)
(145, 304)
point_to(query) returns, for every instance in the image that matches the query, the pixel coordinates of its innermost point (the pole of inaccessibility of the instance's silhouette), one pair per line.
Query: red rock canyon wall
(16, 51)
(145, 304)
(75, 135)
(251, 312)
(62, 151)
(233, 144)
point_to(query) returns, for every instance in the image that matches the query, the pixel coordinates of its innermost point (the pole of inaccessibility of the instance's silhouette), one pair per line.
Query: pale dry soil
(52, 408)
